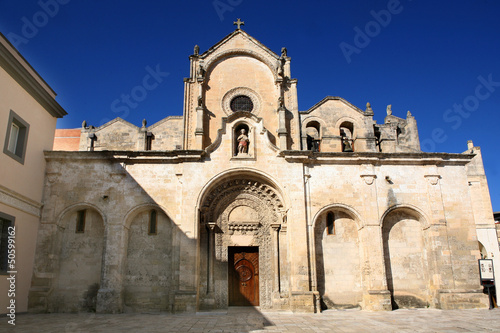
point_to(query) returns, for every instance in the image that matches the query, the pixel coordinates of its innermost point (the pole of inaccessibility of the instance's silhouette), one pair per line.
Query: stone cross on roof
(239, 23)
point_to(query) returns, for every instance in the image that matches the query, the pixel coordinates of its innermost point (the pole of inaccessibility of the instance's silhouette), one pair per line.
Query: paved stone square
(252, 320)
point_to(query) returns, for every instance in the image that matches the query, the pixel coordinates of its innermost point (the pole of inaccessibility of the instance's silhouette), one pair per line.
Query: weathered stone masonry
(336, 210)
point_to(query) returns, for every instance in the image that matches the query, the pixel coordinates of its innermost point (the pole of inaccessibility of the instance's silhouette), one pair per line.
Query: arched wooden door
(243, 276)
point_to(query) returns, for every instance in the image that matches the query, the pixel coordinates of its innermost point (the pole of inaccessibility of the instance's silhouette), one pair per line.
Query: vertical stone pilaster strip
(275, 227)
(110, 294)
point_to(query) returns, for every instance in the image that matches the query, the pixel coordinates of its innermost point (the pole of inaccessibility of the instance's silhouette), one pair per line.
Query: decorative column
(210, 256)
(276, 249)
(283, 255)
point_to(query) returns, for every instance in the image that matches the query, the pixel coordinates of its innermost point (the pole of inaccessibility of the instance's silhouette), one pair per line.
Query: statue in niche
(243, 142)
(201, 71)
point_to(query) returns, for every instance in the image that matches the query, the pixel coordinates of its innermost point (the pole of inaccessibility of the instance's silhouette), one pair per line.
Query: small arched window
(347, 136)
(330, 224)
(313, 132)
(152, 229)
(149, 141)
(80, 221)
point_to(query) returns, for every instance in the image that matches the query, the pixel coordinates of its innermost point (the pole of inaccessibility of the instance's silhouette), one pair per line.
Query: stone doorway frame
(216, 200)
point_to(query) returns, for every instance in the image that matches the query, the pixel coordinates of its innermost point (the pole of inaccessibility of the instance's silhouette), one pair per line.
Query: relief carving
(245, 209)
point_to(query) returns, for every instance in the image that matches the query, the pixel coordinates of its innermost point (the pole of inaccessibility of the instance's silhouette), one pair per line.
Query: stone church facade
(245, 200)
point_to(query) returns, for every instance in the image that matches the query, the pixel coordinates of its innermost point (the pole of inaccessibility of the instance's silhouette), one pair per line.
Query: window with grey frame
(6, 225)
(16, 138)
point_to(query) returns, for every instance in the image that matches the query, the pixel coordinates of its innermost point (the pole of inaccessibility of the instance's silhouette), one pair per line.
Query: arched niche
(313, 129)
(81, 235)
(337, 259)
(346, 130)
(313, 136)
(243, 140)
(147, 281)
(405, 257)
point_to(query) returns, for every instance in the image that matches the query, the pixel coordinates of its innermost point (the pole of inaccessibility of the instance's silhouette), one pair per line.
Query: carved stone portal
(244, 210)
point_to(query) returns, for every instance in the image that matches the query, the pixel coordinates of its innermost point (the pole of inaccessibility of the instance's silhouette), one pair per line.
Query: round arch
(405, 251)
(220, 232)
(343, 120)
(343, 208)
(129, 216)
(322, 268)
(240, 173)
(210, 64)
(75, 207)
(79, 263)
(310, 119)
(411, 210)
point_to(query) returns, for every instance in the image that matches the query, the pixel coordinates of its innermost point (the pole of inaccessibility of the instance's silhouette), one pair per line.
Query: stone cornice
(13, 199)
(129, 157)
(309, 157)
(28, 78)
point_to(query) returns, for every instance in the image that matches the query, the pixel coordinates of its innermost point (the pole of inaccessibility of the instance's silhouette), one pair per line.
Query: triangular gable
(116, 120)
(332, 98)
(164, 120)
(233, 35)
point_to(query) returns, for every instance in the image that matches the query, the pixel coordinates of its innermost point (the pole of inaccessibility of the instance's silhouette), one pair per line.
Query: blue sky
(438, 59)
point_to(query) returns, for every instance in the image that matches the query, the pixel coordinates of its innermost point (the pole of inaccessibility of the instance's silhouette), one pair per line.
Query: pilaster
(110, 294)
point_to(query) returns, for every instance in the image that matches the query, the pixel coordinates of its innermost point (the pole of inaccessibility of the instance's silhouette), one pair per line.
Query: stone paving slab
(246, 320)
